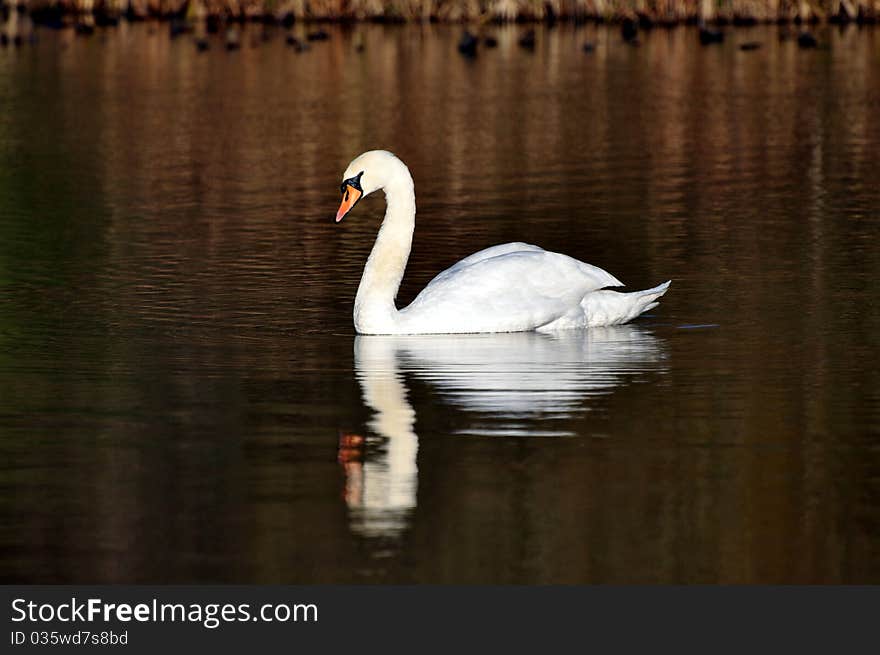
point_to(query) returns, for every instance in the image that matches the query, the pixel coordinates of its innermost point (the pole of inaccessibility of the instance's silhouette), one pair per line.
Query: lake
(182, 394)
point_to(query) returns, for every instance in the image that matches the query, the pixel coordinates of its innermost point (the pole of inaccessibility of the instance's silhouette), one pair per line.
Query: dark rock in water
(490, 42)
(202, 44)
(84, 29)
(104, 18)
(51, 16)
(319, 35)
(288, 20)
(467, 45)
(807, 40)
(178, 26)
(212, 24)
(749, 45)
(4, 40)
(232, 41)
(629, 30)
(589, 46)
(708, 36)
(17, 40)
(527, 40)
(296, 44)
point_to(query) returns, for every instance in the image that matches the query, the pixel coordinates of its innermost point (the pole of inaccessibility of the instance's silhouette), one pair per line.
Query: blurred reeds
(648, 12)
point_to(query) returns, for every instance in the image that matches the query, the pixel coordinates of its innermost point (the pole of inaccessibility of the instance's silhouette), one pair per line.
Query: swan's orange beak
(350, 196)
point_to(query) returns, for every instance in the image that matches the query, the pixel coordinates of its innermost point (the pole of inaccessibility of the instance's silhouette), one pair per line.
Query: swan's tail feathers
(613, 307)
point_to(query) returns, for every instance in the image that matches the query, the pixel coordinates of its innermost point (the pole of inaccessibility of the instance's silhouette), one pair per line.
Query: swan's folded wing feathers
(523, 288)
(496, 251)
(486, 253)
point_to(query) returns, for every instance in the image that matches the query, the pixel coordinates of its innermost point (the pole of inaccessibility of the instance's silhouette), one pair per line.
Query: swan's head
(368, 172)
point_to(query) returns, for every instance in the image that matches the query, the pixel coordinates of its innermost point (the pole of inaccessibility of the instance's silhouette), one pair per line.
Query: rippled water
(183, 398)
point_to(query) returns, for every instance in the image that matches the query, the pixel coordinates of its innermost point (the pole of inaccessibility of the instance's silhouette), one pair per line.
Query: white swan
(513, 287)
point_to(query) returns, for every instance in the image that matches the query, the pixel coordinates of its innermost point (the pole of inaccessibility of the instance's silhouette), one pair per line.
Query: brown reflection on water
(177, 365)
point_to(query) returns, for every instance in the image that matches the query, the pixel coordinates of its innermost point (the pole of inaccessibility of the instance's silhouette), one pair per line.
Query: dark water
(182, 396)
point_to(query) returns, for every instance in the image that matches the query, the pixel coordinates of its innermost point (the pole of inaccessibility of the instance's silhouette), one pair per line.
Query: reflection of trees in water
(687, 136)
(183, 248)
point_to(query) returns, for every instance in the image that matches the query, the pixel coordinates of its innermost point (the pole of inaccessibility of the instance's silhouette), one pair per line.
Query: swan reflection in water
(515, 384)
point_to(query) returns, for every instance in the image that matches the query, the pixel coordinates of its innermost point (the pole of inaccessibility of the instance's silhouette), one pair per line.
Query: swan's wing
(495, 251)
(487, 253)
(517, 290)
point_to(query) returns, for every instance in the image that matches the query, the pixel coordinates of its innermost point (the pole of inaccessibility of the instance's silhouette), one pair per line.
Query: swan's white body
(513, 287)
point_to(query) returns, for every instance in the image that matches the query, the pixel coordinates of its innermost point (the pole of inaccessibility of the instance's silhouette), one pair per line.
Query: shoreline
(659, 13)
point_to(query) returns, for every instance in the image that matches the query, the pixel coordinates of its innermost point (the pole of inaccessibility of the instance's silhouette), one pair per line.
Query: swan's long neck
(374, 308)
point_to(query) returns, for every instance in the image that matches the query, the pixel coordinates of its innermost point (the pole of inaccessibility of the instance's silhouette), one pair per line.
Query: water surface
(183, 398)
